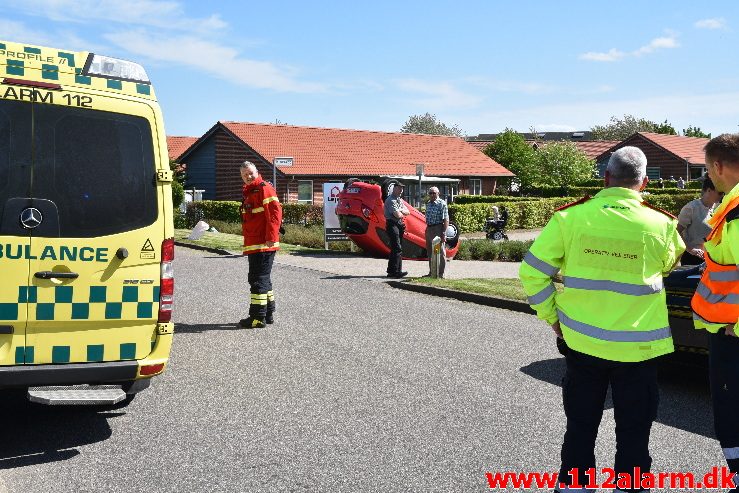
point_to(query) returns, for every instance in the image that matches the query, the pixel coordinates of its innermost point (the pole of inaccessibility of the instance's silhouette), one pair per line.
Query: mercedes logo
(31, 217)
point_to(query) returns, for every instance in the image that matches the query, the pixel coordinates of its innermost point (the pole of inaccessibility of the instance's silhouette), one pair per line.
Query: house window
(654, 173)
(475, 186)
(305, 192)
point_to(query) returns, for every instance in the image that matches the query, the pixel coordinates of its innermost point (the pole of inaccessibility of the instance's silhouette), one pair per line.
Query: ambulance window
(15, 150)
(98, 167)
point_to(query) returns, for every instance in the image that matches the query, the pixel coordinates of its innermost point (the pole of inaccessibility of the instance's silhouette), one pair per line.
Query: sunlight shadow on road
(685, 400)
(41, 434)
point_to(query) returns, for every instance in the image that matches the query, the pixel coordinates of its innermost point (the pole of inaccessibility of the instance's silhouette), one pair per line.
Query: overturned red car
(361, 217)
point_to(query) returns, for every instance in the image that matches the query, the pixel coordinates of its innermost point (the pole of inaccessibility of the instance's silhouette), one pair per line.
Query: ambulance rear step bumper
(67, 374)
(77, 395)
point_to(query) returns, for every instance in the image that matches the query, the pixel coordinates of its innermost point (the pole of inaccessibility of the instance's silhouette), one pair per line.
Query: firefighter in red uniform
(261, 215)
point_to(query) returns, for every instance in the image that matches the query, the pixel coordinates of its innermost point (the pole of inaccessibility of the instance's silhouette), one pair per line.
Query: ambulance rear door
(15, 180)
(96, 280)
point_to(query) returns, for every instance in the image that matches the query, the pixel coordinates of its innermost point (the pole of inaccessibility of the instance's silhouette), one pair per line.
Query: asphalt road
(357, 387)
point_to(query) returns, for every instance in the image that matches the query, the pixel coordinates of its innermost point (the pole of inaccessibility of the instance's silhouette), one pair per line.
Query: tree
(620, 129)
(562, 164)
(429, 124)
(665, 128)
(692, 131)
(511, 151)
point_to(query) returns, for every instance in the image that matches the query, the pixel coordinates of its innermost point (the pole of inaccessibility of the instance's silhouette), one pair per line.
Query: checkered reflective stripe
(61, 73)
(85, 303)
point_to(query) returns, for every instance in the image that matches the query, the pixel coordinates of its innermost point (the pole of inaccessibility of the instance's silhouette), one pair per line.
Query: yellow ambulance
(86, 227)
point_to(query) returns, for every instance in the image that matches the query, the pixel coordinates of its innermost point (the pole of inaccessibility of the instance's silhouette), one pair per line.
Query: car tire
(451, 242)
(497, 235)
(350, 182)
(386, 187)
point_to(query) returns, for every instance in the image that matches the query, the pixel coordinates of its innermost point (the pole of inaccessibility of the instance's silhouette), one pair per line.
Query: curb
(217, 251)
(516, 306)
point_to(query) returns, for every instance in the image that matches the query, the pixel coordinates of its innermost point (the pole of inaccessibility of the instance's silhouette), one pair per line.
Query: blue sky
(483, 65)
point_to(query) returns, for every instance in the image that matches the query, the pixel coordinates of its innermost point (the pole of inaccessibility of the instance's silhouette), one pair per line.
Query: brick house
(177, 145)
(321, 155)
(667, 155)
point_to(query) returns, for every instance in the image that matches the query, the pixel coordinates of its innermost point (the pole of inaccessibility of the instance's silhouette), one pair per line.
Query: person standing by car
(395, 212)
(716, 300)
(613, 250)
(437, 222)
(261, 215)
(691, 223)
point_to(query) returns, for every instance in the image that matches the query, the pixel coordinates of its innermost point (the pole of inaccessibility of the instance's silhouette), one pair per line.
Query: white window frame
(475, 186)
(306, 201)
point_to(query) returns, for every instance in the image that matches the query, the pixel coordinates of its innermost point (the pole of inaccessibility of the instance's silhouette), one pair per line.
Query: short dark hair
(708, 184)
(724, 148)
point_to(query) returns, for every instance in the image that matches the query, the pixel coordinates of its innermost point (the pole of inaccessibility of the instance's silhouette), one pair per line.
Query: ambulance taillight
(166, 285)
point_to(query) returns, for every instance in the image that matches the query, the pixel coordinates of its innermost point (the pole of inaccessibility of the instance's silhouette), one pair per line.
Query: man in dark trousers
(716, 299)
(612, 251)
(395, 212)
(261, 215)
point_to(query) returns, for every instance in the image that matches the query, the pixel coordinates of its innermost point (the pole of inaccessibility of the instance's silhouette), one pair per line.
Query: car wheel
(387, 187)
(452, 235)
(350, 182)
(497, 235)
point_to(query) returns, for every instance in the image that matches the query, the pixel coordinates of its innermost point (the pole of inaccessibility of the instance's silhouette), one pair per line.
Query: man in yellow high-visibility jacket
(716, 300)
(612, 250)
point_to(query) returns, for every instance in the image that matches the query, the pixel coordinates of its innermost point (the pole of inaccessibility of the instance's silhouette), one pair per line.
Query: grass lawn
(235, 243)
(500, 288)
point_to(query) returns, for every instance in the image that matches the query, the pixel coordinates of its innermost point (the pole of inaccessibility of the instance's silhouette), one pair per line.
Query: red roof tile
(591, 148)
(330, 151)
(595, 148)
(178, 145)
(690, 148)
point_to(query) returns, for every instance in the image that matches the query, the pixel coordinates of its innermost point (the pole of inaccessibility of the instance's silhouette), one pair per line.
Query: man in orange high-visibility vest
(716, 300)
(261, 216)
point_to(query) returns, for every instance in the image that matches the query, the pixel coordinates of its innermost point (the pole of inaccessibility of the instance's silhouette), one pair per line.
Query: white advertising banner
(331, 228)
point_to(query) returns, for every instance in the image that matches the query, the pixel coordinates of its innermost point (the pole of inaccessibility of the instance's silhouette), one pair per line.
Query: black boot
(252, 323)
(270, 318)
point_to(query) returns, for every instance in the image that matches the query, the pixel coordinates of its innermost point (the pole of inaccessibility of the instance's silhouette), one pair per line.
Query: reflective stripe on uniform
(257, 209)
(259, 299)
(542, 295)
(727, 275)
(260, 247)
(268, 199)
(711, 297)
(540, 265)
(731, 453)
(615, 286)
(614, 335)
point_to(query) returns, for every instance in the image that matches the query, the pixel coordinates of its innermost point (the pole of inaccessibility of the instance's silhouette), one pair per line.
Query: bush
(305, 214)
(522, 214)
(178, 194)
(179, 220)
(228, 211)
(484, 249)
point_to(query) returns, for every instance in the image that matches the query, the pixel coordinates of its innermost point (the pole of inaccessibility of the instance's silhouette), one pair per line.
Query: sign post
(281, 162)
(419, 172)
(331, 227)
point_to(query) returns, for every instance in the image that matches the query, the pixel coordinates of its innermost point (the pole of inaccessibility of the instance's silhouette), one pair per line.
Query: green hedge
(536, 213)
(521, 214)
(228, 211)
(490, 199)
